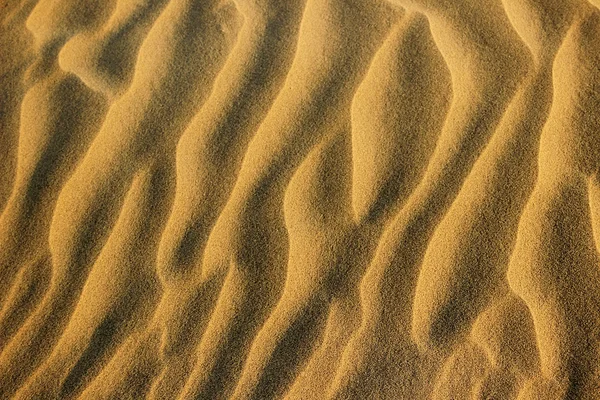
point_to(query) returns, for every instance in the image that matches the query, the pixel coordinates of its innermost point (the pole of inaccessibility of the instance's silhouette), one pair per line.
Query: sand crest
(310, 199)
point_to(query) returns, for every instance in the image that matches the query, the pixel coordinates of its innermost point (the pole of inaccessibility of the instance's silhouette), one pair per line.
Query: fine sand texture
(300, 199)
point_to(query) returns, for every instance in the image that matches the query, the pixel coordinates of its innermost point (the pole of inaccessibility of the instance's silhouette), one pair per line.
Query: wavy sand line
(333, 199)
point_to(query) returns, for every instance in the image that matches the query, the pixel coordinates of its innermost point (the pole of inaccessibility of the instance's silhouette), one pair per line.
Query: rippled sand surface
(300, 199)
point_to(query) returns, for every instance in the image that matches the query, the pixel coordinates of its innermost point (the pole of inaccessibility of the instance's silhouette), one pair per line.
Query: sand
(300, 199)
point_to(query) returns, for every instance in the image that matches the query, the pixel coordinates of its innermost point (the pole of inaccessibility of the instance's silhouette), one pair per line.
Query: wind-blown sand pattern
(309, 199)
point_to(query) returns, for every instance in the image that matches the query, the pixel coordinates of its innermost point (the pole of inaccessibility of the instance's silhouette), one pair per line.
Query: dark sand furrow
(109, 309)
(481, 94)
(397, 113)
(80, 222)
(320, 199)
(104, 60)
(554, 265)
(314, 101)
(59, 116)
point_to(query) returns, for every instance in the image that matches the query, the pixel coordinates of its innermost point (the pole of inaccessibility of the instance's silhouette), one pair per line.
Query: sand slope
(310, 199)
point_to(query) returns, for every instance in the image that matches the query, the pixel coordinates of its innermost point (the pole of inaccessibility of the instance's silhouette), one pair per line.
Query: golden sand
(300, 199)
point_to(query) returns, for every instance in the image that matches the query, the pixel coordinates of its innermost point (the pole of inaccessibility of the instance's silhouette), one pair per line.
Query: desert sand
(300, 199)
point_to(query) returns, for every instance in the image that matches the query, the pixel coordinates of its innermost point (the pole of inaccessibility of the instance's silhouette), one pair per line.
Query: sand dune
(313, 199)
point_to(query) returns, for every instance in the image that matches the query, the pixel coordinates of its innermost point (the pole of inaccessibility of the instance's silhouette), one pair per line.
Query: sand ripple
(310, 199)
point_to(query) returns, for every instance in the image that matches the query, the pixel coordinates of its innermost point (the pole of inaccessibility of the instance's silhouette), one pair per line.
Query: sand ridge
(311, 199)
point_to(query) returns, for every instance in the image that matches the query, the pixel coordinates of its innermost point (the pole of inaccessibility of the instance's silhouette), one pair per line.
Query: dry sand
(300, 199)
